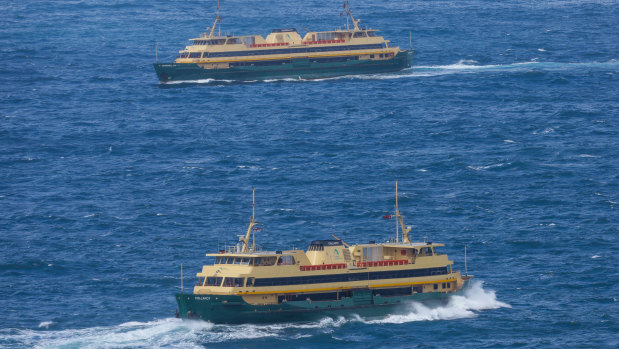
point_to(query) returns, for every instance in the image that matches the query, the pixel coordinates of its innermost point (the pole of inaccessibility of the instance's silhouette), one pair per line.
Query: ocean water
(503, 136)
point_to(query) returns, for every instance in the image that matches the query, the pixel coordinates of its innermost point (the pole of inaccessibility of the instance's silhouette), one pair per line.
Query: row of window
(377, 275)
(287, 61)
(334, 296)
(255, 261)
(278, 51)
(317, 279)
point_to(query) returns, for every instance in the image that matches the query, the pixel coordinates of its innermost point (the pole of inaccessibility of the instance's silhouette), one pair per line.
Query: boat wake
(473, 67)
(473, 300)
(461, 67)
(172, 332)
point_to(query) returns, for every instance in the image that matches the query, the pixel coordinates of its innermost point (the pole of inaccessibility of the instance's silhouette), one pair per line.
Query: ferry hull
(297, 68)
(233, 309)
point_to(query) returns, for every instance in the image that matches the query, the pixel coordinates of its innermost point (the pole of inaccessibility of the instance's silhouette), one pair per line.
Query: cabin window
(425, 251)
(359, 35)
(325, 36)
(228, 282)
(239, 282)
(417, 289)
(245, 261)
(250, 282)
(265, 261)
(249, 41)
(371, 34)
(233, 41)
(216, 42)
(195, 55)
(436, 286)
(285, 260)
(213, 281)
(371, 56)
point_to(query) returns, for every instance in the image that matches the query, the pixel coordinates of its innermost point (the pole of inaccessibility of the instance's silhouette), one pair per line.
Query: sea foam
(176, 333)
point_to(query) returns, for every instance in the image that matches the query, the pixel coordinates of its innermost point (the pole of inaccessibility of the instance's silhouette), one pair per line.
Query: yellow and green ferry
(246, 284)
(284, 54)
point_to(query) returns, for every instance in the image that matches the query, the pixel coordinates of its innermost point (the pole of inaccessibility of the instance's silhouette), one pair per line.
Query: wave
(467, 66)
(176, 333)
(464, 66)
(473, 300)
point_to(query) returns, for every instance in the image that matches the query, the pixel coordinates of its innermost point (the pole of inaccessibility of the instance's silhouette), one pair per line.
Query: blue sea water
(503, 136)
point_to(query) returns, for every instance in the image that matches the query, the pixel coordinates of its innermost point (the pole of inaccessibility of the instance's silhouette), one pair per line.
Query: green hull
(295, 69)
(232, 309)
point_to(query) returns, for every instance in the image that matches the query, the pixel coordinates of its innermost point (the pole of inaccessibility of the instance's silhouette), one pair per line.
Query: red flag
(344, 5)
(387, 216)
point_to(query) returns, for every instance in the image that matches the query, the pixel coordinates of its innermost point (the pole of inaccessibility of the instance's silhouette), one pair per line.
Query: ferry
(245, 284)
(284, 54)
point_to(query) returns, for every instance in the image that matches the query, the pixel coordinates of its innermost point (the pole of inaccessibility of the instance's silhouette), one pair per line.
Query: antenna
(400, 221)
(410, 40)
(355, 22)
(250, 229)
(397, 214)
(217, 20)
(253, 211)
(466, 272)
(181, 278)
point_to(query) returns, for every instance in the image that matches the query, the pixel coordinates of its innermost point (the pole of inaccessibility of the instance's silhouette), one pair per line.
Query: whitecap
(509, 141)
(480, 168)
(545, 131)
(595, 256)
(46, 324)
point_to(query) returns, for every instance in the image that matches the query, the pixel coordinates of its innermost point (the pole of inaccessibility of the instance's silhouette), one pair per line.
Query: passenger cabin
(240, 270)
(206, 46)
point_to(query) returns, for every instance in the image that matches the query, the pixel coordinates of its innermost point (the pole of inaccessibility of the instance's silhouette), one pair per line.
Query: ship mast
(217, 23)
(400, 221)
(355, 22)
(250, 229)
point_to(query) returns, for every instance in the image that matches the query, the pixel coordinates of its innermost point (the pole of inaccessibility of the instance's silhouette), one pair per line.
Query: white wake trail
(175, 333)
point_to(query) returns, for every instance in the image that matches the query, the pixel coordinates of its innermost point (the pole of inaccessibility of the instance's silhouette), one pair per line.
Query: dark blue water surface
(503, 135)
